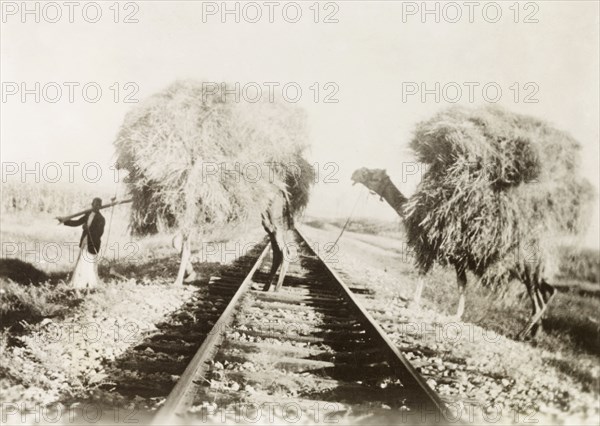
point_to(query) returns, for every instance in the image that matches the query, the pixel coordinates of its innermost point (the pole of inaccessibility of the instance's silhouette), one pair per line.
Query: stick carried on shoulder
(71, 216)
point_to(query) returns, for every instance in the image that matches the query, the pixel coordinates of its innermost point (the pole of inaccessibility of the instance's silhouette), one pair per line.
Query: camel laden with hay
(499, 192)
(196, 159)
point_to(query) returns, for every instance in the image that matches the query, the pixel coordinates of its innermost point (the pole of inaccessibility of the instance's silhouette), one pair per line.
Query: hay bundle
(197, 157)
(300, 176)
(499, 190)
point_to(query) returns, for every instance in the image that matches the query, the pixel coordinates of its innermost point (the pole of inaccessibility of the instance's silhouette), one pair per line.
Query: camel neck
(392, 195)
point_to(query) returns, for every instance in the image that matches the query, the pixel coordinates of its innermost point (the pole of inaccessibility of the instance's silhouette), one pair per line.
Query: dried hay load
(197, 157)
(499, 190)
(300, 176)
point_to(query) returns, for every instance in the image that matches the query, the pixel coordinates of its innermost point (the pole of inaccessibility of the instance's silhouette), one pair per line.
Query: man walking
(85, 274)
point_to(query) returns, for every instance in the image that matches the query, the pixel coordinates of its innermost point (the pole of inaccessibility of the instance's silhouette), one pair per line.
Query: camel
(277, 220)
(531, 275)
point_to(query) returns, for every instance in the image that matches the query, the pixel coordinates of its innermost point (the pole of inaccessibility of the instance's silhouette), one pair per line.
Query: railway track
(309, 353)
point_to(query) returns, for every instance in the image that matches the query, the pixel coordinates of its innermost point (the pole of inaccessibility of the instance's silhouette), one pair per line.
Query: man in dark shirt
(85, 274)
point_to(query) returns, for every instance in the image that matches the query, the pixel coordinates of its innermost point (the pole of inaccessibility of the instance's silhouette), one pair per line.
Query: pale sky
(369, 55)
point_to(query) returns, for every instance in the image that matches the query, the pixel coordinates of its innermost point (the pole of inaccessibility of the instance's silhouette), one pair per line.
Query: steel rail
(178, 395)
(396, 357)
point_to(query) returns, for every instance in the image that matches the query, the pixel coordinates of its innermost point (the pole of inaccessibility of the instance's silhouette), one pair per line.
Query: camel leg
(534, 306)
(285, 263)
(532, 326)
(418, 292)
(541, 294)
(544, 293)
(548, 291)
(277, 261)
(536, 319)
(185, 258)
(190, 273)
(461, 281)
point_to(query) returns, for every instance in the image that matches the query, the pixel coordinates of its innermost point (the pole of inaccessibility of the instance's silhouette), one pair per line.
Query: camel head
(373, 179)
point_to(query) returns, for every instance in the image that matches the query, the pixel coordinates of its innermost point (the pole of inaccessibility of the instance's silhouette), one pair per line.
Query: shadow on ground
(29, 295)
(22, 272)
(151, 368)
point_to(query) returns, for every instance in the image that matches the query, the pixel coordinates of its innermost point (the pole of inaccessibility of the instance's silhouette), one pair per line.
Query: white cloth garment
(85, 274)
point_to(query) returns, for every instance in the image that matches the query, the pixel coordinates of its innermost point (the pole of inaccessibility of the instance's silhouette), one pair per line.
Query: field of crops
(52, 198)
